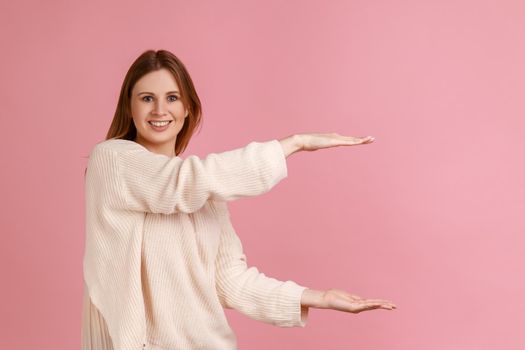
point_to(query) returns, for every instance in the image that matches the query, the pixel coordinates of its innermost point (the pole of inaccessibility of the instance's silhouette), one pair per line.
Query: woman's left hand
(341, 300)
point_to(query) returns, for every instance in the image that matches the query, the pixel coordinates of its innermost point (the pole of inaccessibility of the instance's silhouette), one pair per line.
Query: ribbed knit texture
(162, 258)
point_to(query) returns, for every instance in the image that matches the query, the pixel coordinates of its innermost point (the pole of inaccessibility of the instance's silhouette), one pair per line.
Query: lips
(166, 124)
(160, 128)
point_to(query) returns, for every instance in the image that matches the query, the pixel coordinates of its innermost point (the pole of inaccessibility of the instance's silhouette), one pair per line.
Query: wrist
(291, 144)
(297, 142)
(312, 298)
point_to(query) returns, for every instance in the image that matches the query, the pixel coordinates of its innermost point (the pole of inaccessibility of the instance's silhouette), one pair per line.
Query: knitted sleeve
(136, 179)
(249, 291)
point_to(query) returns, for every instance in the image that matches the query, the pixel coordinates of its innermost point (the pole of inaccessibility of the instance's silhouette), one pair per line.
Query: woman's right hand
(315, 141)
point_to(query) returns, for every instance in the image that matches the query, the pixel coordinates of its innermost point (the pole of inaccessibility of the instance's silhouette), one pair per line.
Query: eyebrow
(151, 93)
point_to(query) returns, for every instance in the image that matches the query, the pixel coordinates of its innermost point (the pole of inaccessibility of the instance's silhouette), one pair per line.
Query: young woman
(162, 259)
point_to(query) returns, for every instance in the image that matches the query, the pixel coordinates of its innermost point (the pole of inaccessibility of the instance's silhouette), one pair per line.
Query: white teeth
(160, 123)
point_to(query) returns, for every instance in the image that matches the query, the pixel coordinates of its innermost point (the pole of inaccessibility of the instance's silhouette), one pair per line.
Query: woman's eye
(175, 98)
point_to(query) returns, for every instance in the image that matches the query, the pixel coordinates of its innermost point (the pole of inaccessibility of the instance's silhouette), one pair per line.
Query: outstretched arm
(130, 177)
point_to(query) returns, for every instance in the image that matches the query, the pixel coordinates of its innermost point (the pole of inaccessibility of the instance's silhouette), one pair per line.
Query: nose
(159, 108)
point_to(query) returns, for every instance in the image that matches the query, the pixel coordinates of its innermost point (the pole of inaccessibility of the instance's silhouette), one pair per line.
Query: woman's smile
(159, 125)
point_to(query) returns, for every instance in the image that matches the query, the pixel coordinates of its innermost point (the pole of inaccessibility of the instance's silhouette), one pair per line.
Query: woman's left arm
(249, 291)
(266, 299)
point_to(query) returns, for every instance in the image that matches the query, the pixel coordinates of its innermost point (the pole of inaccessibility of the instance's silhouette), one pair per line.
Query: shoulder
(115, 146)
(119, 144)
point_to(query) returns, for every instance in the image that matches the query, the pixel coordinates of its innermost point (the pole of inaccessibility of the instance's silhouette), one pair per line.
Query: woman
(162, 259)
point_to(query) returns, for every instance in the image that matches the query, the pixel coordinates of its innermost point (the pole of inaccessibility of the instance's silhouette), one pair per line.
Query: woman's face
(156, 97)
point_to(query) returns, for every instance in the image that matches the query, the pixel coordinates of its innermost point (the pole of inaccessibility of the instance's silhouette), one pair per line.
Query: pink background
(430, 215)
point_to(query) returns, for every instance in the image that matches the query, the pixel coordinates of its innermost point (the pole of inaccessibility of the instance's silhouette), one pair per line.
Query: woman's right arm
(125, 175)
(291, 144)
(130, 177)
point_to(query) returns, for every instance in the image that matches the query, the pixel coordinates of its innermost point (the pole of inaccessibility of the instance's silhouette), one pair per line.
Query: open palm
(316, 141)
(340, 300)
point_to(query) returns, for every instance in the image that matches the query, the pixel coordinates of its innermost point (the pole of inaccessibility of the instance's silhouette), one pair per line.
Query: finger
(384, 301)
(388, 307)
(361, 139)
(376, 305)
(351, 140)
(370, 307)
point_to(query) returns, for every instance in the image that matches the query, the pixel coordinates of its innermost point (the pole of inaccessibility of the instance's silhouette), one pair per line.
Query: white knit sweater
(162, 259)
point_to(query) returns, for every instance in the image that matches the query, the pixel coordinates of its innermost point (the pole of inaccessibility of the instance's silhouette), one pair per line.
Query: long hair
(122, 126)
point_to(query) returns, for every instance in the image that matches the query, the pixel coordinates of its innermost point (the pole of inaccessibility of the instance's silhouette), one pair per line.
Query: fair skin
(156, 96)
